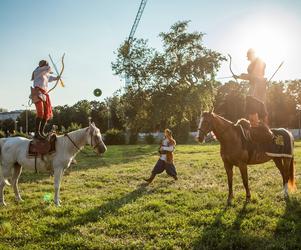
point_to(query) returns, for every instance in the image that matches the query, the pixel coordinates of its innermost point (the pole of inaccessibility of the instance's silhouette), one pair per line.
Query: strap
(35, 164)
(72, 141)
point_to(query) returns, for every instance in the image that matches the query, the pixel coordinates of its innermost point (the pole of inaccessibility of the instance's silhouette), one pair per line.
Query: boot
(42, 128)
(37, 134)
(261, 134)
(150, 179)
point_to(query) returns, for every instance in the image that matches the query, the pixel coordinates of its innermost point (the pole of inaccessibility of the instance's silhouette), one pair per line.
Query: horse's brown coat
(234, 153)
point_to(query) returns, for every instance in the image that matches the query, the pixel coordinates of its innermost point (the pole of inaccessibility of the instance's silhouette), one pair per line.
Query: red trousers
(44, 108)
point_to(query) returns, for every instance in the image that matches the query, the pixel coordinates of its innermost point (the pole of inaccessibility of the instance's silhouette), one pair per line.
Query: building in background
(10, 115)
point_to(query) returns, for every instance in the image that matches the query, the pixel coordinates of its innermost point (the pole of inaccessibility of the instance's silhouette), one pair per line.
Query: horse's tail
(292, 181)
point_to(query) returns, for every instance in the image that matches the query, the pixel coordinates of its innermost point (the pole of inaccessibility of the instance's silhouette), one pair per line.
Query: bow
(58, 74)
(230, 67)
(275, 72)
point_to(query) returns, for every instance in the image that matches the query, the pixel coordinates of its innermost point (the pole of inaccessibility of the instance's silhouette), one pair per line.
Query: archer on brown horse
(234, 152)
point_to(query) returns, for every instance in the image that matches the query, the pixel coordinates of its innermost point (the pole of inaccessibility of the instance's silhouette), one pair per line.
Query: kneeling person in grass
(165, 161)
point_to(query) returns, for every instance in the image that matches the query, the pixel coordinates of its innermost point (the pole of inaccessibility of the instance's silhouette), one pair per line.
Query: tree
(171, 87)
(31, 120)
(281, 106)
(230, 100)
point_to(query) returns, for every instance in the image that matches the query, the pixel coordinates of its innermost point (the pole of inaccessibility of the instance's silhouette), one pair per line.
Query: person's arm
(168, 148)
(53, 78)
(244, 76)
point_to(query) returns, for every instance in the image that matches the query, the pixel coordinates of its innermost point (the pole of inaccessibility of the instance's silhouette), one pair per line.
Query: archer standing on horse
(256, 99)
(40, 97)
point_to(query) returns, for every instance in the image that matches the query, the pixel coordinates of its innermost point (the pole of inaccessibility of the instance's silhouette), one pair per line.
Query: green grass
(104, 205)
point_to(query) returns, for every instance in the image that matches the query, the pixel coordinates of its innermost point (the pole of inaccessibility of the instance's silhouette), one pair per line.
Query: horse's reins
(74, 144)
(220, 134)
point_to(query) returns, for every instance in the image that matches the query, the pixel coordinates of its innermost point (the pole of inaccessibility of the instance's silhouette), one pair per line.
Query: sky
(90, 31)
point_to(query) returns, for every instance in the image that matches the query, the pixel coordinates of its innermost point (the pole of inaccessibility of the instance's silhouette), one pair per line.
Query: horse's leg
(283, 170)
(286, 170)
(57, 181)
(229, 170)
(244, 175)
(2, 184)
(16, 174)
(6, 172)
(279, 165)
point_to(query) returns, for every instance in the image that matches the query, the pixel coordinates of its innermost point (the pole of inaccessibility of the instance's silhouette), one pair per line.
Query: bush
(149, 139)
(114, 137)
(2, 134)
(73, 126)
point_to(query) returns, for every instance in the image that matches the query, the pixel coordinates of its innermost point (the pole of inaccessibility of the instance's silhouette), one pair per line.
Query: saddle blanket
(283, 144)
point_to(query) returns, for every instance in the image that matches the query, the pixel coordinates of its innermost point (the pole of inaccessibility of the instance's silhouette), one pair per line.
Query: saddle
(42, 147)
(273, 142)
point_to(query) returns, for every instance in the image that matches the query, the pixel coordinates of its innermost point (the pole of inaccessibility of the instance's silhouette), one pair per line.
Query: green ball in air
(97, 92)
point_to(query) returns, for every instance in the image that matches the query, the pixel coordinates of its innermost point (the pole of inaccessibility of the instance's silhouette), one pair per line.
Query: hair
(169, 136)
(251, 51)
(42, 63)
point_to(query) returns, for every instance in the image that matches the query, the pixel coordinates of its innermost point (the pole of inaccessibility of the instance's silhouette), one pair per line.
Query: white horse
(14, 156)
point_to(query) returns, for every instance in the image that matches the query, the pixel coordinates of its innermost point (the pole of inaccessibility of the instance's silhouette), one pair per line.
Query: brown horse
(234, 153)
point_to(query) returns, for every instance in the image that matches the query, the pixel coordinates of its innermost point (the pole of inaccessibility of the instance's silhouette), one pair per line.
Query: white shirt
(166, 148)
(41, 77)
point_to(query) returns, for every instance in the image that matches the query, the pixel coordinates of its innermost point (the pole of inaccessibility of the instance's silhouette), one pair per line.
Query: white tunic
(166, 148)
(41, 77)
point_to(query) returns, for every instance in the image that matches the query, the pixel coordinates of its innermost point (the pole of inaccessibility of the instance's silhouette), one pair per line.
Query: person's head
(43, 63)
(168, 133)
(251, 54)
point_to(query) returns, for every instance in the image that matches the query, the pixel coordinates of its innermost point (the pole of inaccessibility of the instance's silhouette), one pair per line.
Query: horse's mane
(223, 118)
(72, 132)
(244, 123)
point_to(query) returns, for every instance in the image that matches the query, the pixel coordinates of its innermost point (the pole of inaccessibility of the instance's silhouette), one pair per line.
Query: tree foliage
(168, 87)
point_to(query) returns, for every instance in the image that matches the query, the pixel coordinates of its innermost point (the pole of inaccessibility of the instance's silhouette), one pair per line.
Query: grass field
(104, 205)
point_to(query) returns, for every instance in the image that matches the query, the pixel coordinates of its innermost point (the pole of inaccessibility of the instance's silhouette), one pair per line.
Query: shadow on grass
(220, 235)
(97, 213)
(288, 230)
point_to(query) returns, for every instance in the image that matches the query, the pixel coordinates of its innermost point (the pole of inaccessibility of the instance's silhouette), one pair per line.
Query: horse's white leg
(2, 184)
(15, 179)
(57, 182)
(285, 190)
(6, 172)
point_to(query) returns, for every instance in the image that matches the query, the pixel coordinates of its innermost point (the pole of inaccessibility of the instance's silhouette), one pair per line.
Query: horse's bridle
(211, 129)
(203, 131)
(97, 144)
(93, 146)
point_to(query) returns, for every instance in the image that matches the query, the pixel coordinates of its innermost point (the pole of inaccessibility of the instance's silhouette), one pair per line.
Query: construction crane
(132, 33)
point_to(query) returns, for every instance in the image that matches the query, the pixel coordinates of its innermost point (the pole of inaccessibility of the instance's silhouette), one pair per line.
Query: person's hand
(243, 76)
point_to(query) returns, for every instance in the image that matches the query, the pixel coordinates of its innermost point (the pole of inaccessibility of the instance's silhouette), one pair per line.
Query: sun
(271, 41)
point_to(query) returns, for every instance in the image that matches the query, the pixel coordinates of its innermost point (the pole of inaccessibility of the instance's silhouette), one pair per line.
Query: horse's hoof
(2, 203)
(248, 199)
(6, 181)
(19, 200)
(57, 203)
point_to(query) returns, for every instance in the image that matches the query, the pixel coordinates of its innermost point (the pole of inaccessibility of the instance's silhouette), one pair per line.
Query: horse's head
(94, 139)
(205, 125)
